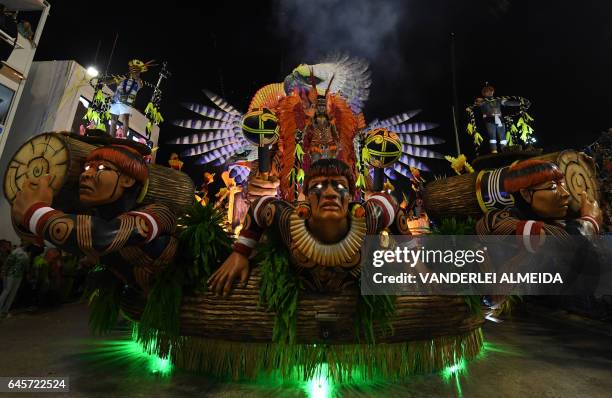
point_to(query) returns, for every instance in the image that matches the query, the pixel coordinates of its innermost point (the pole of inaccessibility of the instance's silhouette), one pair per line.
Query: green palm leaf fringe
(391, 361)
(371, 310)
(452, 226)
(280, 287)
(162, 313)
(103, 293)
(474, 304)
(203, 238)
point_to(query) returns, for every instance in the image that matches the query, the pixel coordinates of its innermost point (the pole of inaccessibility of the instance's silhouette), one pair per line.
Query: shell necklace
(329, 255)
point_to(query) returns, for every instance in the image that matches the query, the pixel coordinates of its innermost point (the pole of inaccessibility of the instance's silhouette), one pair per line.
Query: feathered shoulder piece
(346, 123)
(351, 78)
(291, 115)
(268, 96)
(291, 118)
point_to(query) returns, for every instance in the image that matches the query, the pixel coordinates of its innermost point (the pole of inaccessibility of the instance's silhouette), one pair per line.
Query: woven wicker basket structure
(233, 335)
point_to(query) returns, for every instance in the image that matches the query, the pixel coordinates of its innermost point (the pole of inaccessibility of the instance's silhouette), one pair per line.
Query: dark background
(555, 53)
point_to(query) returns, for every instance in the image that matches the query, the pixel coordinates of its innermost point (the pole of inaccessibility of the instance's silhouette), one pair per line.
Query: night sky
(555, 53)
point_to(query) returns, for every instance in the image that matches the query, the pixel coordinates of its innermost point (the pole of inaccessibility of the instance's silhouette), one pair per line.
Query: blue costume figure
(492, 117)
(125, 95)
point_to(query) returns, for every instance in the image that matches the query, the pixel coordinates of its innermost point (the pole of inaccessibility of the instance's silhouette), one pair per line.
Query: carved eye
(340, 186)
(319, 186)
(87, 167)
(101, 167)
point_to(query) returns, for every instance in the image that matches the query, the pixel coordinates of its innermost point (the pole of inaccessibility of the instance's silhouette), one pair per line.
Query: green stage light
(320, 386)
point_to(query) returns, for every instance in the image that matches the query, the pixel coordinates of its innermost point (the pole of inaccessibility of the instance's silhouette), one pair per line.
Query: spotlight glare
(92, 71)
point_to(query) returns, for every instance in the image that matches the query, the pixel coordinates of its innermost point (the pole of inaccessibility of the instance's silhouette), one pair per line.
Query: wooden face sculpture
(548, 200)
(541, 185)
(329, 197)
(102, 182)
(329, 187)
(331, 235)
(108, 172)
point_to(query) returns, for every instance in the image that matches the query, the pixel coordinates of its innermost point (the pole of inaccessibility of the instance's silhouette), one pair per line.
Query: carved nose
(330, 192)
(87, 174)
(564, 191)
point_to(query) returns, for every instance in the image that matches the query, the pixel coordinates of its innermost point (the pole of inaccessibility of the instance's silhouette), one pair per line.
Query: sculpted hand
(590, 208)
(235, 266)
(33, 191)
(262, 186)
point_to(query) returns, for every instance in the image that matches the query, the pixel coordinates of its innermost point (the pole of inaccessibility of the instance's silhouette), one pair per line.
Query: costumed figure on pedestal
(202, 194)
(226, 200)
(126, 90)
(495, 121)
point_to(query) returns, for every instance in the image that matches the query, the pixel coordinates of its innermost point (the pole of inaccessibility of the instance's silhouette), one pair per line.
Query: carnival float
(265, 276)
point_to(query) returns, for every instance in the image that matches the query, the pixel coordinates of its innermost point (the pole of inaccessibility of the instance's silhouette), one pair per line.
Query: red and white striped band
(529, 230)
(592, 221)
(151, 223)
(36, 217)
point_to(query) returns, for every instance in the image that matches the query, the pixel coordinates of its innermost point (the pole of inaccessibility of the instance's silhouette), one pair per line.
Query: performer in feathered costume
(325, 127)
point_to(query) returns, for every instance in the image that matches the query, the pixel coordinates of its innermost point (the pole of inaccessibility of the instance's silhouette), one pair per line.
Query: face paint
(329, 197)
(549, 199)
(338, 186)
(99, 183)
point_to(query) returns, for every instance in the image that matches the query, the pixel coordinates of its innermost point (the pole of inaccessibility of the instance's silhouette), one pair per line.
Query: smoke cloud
(363, 28)
(498, 7)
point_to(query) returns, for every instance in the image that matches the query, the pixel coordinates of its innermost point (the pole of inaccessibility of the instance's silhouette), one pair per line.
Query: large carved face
(329, 197)
(548, 200)
(101, 182)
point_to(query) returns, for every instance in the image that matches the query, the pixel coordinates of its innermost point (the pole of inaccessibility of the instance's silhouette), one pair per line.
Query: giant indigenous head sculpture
(111, 173)
(324, 234)
(329, 186)
(539, 187)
